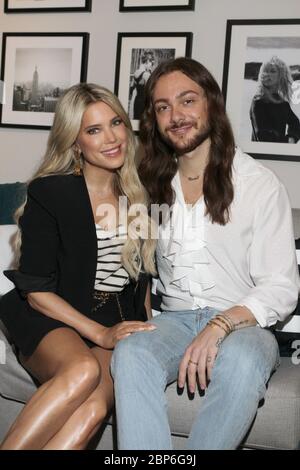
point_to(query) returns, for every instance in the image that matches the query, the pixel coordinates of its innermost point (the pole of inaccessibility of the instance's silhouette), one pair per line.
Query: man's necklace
(190, 178)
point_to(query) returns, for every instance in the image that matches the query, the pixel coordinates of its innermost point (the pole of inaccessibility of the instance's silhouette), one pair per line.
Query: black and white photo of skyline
(41, 77)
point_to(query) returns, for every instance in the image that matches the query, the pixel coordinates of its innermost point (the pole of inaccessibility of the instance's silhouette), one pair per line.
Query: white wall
(20, 150)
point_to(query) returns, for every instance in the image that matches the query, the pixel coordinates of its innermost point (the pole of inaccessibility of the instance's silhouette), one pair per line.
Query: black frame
(190, 6)
(226, 67)
(86, 7)
(188, 50)
(83, 68)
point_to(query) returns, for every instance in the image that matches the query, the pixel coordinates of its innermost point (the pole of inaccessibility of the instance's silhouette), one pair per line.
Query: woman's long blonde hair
(284, 83)
(60, 159)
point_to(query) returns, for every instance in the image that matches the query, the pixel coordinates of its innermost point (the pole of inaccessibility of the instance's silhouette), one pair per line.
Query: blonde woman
(271, 115)
(82, 278)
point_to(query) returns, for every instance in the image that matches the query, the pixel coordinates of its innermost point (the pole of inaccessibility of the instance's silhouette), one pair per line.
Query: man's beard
(192, 143)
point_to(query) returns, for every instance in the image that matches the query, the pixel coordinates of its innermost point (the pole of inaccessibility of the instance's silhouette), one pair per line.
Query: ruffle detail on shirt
(189, 259)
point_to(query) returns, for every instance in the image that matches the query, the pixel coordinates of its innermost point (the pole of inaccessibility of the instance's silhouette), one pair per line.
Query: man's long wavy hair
(159, 164)
(60, 159)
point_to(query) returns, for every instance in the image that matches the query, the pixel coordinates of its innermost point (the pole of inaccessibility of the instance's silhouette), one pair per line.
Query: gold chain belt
(103, 297)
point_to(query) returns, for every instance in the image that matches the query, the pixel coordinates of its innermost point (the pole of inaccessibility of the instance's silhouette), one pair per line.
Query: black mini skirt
(29, 327)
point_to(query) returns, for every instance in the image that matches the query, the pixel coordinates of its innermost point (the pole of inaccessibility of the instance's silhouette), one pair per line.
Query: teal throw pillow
(12, 195)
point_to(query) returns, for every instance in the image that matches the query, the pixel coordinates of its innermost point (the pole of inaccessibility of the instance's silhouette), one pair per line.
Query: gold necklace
(190, 178)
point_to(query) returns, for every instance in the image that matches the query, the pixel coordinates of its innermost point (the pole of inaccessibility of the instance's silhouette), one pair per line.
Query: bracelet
(232, 325)
(226, 323)
(213, 323)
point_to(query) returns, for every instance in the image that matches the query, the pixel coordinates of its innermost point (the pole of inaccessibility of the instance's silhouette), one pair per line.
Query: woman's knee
(79, 377)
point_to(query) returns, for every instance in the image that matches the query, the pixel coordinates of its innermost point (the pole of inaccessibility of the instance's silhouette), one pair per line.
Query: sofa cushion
(277, 424)
(15, 382)
(12, 195)
(289, 331)
(7, 233)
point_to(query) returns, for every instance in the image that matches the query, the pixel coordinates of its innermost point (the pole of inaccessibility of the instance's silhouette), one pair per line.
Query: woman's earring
(77, 168)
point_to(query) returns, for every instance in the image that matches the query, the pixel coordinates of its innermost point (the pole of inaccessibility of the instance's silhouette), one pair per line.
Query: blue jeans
(145, 362)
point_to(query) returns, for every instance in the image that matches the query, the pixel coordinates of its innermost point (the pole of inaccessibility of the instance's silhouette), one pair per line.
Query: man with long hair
(226, 270)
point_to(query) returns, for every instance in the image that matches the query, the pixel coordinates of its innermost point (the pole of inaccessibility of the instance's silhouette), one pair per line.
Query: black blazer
(59, 248)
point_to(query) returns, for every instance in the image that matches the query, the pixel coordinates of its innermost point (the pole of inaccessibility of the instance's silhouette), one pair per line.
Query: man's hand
(199, 358)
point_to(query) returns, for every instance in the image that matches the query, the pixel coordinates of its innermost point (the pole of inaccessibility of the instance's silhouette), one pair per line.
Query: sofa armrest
(15, 382)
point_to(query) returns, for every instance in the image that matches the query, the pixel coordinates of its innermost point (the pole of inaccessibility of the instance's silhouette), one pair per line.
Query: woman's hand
(199, 358)
(108, 337)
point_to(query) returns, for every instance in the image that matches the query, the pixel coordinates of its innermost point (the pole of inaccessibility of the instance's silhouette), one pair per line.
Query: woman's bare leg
(86, 420)
(69, 373)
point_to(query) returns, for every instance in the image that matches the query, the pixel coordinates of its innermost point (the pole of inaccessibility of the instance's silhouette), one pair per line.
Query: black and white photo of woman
(272, 117)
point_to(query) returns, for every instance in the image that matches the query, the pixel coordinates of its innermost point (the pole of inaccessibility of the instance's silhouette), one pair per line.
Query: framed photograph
(156, 5)
(36, 69)
(44, 6)
(261, 86)
(138, 54)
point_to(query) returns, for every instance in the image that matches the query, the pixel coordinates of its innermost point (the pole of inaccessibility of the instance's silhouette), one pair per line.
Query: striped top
(110, 274)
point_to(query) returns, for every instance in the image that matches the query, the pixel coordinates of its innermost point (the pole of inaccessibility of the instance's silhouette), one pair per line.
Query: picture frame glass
(137, 57)
(37, 70)
(256, 106)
